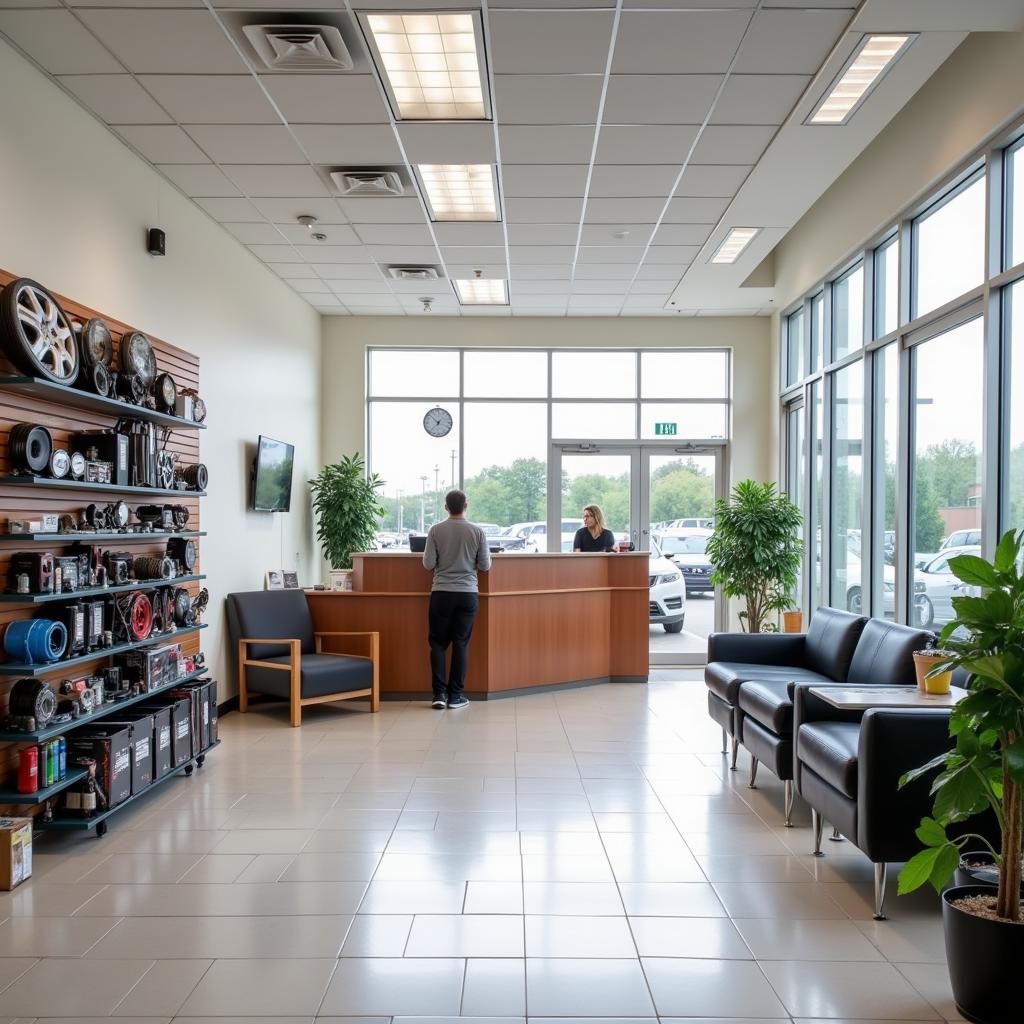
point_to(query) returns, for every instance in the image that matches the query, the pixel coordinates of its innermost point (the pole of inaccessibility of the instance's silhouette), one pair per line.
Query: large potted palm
(984, 772)
(755, 551)
(347, 509)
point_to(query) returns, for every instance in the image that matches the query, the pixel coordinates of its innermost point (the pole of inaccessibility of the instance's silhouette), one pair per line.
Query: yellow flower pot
(938, 683)
(793, 622)
(923, 664)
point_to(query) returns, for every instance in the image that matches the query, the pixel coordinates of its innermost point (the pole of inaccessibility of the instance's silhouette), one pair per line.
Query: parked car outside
(535, 537)
(923, 614)
(961, 539)
(941, 586)
(686, 548)
(693, 522)
(668, 592)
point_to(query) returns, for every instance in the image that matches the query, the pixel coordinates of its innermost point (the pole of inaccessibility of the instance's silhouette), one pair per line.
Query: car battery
(105, 446)
(153, 667)
(66, 570)
(37, 566)
(111, 748)
(141, 726)
(212, 686)
(181, 731)
(161, 716)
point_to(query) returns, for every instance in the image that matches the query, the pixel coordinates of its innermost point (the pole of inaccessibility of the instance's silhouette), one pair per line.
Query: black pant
(452, 614)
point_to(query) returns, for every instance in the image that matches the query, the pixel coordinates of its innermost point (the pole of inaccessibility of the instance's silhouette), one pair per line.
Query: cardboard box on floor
(15, 852)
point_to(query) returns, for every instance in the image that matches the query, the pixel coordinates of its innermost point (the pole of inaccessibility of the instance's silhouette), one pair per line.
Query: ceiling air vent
(414, 273)
(368, 183)
(300, 47)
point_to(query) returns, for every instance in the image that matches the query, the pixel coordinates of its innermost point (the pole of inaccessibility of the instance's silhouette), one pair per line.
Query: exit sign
(665, 430)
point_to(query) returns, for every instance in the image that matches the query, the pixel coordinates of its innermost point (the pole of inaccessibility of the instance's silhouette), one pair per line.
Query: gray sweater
(456, 549)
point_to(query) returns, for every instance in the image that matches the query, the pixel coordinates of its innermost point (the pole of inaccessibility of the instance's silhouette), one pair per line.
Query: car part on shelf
(165, 470)
(97, 344)
(183, 613)
(200, 603)
(138, 358)
(153, 567)
(37, 566)
(166, 392)
(77, 465)
(33, 698)
(196, 477)
(183, 551)
(130, 387)
(30, 447)
(59, 463)
(101, 380)
(36, 334)
(132, 617)
(35, 641)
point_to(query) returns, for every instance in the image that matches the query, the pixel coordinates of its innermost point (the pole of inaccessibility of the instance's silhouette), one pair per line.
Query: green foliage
(985, 768)
(681, 489)
(755, 550)
(347, 509)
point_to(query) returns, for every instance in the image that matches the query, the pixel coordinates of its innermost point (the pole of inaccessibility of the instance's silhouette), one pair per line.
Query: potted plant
(347, 511)
(755, 551)
(792, 621)
(932, 676)
(984, 772)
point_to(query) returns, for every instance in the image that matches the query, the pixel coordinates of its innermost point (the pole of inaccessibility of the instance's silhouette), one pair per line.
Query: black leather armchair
(883, 655)
(280, 655)
(821, 655)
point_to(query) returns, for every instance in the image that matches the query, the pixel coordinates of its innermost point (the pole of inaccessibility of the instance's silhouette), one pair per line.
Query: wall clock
(437, 422)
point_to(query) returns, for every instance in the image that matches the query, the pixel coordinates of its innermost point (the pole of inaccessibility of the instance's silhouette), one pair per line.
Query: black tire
(924, 612)
(855, 601)
(200, 760)
(31, 318)
(673, 627)
(188, 769)
(101, 829)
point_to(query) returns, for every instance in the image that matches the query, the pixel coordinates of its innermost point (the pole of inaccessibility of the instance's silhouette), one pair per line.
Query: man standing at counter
(456, 551)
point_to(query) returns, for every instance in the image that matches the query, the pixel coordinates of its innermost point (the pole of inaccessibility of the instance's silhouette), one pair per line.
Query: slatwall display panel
(22, 501)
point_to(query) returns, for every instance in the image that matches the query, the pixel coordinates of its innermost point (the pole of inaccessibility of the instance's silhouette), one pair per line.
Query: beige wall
(74, 205)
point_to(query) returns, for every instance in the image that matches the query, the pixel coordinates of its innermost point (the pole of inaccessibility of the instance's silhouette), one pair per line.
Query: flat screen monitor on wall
(272, 477)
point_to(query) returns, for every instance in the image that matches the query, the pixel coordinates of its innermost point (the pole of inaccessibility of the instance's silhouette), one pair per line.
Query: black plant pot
(982, 954)
(983, 870)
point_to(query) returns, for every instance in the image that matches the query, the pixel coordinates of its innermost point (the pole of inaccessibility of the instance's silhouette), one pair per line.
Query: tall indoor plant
(347, 509)
(984, 772)
(755, 550)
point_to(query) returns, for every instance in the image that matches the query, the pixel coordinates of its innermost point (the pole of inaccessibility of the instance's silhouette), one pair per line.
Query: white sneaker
(439, 703)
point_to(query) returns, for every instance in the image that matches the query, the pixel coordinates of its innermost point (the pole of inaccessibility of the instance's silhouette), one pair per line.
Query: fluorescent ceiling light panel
(482, 291)
(735, 242)
(432, 64)
(460, 191)
(874, 56)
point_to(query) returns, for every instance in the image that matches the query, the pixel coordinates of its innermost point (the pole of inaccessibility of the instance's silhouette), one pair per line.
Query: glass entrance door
(659, 498)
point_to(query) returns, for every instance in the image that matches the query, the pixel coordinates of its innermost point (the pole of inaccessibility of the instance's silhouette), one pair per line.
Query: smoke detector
(368, 183)
(426, 300)
(414, 273)
(299, 47)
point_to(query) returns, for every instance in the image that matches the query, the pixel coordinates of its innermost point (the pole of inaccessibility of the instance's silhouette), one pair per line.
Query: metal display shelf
(108, 709)
(37, 387)
(119, 588)
(9, 668)
(88, 537)
(99, 821)
(27, 480)
(14, 797)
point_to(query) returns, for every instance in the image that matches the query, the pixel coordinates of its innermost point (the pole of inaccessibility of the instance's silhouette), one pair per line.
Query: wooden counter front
(544, 620)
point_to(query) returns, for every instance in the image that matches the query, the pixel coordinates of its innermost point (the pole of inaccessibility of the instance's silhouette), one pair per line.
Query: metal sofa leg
(817, 823)
(880, 873)
(753, 773)
(725, 742)
(835, 837)
(788, 822)
(735, 753)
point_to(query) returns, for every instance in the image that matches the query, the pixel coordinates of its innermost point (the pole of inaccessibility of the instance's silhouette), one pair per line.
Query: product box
(111, 747)
(162, 743)
(181, 732)
(213, 711)
(153, 667)
(141, 725)
(15, 852)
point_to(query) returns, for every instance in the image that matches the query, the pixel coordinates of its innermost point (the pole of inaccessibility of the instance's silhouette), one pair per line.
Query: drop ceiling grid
(615, 141)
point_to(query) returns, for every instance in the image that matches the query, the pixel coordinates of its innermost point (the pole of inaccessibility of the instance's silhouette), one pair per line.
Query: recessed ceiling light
(735, 242)
(431, 63)
(482, 291)
(862, 72)
(460, 191)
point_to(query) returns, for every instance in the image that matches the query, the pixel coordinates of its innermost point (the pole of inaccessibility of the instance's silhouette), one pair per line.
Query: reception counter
(544, 620)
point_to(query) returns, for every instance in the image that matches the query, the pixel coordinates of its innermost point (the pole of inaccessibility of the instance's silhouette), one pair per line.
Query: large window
(887, 268)
(847, 495)
(795, 347)
(884, 468)
(1015, 206)
(1014, 320)
(848, 313)
(817, 331)
(816, 547)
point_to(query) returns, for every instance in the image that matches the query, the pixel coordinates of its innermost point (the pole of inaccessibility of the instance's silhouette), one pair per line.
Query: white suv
(668, 593)
(535, 536)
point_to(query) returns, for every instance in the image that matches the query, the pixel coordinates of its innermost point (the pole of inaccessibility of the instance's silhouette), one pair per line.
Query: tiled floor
(581, 855)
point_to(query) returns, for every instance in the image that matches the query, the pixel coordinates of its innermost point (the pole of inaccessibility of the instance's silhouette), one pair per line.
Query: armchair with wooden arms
(280, 655)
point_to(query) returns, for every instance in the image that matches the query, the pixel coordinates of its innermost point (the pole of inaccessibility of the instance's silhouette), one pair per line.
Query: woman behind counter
(593, 535)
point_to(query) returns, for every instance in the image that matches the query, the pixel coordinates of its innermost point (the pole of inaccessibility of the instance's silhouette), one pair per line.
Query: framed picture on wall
(275, 579)
(291, 580)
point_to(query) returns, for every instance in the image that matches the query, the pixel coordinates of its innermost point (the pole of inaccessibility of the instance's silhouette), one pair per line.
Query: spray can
(51, 763)
(28, 770)
(62, 758)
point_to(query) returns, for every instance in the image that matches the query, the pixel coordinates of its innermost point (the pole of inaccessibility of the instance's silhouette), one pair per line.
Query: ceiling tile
(712, 180)
(465, 143)
(674, 255)
(659, 99)
(312, 288)
(543, 211)
(344, 289)
(337, 234)
(324, 252)
(327, 99)
(400, 210)
(287, 211)
(406, 288)
(247, 143)
(279, 253)
(458, 271)
(276, 181)
(645, 144)
(605, 271)
(608, 234)
(354, 272)
(635, 303)
(469, 234)
(55, 40)
(541, 181)
(758, 99)
(550, 144)
(793, 41)
(367, 298)
(293, 271)
(547, 99)
(539, 255)
(485, 311)
(544, 273)
(370, 311)
(255, 234)
(641, 180)
(610, 253)
(601, 302)
(653, 272)
(695, 211)
(199, 179)
(162, 144)
(226, 210)
(403, 253)
(211, 99)
(662, 289)
(617, 211)
(401, 234)
(542, 234)
(536, 302)
(474, 255)
(682, 234)
(663, 42)
(165, 42)
(550, 42)
(353, 144)
(117, 99)
(540, 287)
(742, 144)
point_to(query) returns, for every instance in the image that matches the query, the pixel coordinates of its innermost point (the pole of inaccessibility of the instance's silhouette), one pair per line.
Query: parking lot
(700, 621)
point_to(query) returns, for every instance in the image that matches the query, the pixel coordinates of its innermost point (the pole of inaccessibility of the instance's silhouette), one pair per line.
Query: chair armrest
(758, 648)
(272, 640)
(294, 653)
(371, 638)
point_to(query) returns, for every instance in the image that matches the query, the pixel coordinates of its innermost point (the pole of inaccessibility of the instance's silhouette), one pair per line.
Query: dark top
(584, 541)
